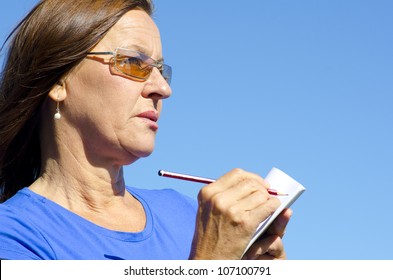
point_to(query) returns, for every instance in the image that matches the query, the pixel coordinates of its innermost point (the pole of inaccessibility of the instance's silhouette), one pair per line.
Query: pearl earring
(57, 116)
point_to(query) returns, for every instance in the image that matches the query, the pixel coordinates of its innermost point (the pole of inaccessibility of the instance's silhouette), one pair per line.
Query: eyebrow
(143, 50)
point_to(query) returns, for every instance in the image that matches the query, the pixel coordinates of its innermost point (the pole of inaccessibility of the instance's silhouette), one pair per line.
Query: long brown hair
(48, 43)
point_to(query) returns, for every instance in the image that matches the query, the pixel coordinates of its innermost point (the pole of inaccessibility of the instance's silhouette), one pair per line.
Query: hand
(270, 246)
(230, 210)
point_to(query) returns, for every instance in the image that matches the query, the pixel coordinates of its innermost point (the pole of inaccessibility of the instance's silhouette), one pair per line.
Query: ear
(58, 92)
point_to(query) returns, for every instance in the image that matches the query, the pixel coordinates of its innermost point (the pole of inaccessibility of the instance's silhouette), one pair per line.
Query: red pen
(200, 179)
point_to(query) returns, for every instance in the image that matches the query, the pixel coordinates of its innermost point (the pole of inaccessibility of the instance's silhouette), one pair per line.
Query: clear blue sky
(306, 86)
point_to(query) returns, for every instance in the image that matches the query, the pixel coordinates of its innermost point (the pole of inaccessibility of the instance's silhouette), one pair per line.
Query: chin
(134, 157)
(138, 148)
(139, 153)
(145, 154)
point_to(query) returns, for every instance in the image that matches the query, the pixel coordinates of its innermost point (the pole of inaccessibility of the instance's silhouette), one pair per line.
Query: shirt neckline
(120, 235)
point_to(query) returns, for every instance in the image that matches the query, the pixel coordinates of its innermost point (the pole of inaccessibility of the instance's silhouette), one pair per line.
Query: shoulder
(15, 231)
(20, 238)
(16, 210)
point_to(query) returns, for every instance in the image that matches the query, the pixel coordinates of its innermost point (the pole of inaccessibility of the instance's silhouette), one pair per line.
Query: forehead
(135, 30)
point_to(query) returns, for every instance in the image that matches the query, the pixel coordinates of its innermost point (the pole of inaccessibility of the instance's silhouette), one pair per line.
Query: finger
(251, 211)
(279, 225)
(268, 248)
(247, 192)
(233, 187)
(264, 210)
(237, 175)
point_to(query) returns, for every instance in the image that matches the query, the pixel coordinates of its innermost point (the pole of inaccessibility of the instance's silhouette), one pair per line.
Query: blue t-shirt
(33, 227)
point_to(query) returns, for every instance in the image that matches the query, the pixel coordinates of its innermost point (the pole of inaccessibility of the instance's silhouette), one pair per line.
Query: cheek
(94, 91)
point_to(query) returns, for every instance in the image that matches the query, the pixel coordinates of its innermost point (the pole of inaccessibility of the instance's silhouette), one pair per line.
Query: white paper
(282, 183)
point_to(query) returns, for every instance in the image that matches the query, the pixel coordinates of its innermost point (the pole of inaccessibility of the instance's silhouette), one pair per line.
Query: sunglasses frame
(165, 70)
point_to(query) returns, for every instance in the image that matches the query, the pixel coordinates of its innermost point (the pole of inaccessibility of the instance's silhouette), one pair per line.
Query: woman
(81, 95)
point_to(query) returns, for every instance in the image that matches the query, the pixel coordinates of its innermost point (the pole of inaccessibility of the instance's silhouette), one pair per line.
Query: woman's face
(115, 116)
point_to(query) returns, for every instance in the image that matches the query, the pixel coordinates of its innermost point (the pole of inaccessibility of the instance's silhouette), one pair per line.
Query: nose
(156, 86)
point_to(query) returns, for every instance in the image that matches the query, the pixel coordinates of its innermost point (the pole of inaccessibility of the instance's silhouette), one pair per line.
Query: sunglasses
(136, 64)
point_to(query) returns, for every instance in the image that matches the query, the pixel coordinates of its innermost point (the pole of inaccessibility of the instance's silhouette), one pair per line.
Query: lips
(151, 115)
(151, 118)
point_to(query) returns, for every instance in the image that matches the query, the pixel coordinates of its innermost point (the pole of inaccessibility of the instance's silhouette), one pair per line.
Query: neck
(87, 178)
(75, 184)
(76, 175)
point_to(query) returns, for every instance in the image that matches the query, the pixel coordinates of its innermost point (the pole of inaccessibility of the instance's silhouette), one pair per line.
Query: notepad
(283, 183)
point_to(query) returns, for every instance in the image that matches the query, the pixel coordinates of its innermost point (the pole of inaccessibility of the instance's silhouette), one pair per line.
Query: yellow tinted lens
(133, 66)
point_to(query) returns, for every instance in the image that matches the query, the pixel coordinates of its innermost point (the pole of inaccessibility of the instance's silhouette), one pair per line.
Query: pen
(191, 178)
